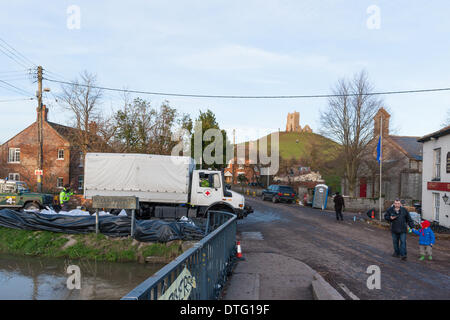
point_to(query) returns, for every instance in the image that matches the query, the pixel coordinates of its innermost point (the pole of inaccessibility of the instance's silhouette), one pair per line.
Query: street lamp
(445, 198)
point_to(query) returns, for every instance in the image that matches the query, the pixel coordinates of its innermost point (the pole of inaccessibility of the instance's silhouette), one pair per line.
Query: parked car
(17, 195)
(278, 193)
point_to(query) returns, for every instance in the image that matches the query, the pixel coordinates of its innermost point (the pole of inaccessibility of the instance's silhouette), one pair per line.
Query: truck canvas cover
(153, 178)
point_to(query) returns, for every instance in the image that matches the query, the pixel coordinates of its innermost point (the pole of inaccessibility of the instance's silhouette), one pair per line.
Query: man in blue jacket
(399, 219)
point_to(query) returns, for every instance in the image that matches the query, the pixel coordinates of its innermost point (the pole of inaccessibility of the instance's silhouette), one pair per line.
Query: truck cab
(17, 195)
(208, 191)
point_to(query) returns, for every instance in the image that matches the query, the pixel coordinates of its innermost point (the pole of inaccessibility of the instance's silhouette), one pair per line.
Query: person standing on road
(426, 240)
(399, 219)
(339, 204)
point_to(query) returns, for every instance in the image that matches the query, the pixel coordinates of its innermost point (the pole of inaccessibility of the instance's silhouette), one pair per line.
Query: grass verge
(84, 246)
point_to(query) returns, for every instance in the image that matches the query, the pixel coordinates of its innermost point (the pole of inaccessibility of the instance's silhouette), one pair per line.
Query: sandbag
(113, 226)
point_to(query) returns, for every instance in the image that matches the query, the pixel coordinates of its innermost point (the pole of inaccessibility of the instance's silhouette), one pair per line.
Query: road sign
(38, 172)
(99, 202)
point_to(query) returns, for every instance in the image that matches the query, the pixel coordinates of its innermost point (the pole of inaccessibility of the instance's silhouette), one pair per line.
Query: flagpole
(381, 160)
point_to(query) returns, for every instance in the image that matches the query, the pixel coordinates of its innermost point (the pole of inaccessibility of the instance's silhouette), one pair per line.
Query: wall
(360, 204)
(427, 175)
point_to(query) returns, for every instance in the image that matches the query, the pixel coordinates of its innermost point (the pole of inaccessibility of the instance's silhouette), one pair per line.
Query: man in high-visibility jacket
(64, 197)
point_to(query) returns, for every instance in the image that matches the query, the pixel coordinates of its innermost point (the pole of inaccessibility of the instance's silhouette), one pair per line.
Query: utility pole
(40, 128)
(233, 181)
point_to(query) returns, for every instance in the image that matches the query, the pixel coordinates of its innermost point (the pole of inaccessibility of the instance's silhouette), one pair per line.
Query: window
(448, 162)
(22, 187)
(286, 190)
(81, 165)
(80, 182)
(14, 155)
(436, 206)
(60, 154)
(207, 180)
(14, 177)
(59, 182)
(437, 164)
(413, 164)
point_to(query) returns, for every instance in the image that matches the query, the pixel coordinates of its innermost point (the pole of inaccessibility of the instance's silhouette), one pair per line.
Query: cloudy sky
(252, 47)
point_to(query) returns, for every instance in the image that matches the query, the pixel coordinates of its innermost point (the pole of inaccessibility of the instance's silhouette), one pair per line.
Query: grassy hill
(302, 145)
(312, 150)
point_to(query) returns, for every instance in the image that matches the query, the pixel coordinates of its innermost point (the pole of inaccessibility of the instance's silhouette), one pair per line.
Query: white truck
(166, 186)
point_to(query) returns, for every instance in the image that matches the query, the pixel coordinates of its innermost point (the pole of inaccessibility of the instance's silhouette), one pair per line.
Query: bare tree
(347, 120)
(138, 127)
(162, 130)
(82, 100)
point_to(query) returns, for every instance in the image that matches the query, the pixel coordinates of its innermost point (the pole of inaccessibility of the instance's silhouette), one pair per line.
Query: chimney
(44, 113)
(93, 128)
(381, 114)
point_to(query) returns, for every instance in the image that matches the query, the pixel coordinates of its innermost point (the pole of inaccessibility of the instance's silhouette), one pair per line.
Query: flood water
(34, 278)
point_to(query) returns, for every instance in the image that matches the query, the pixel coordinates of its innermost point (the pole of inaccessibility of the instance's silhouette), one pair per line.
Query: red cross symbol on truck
(207, 193)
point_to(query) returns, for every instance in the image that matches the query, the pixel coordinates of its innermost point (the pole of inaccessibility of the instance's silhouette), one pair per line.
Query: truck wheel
(32, 206)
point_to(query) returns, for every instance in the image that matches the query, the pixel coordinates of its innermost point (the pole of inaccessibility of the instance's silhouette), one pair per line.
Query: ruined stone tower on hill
(293, 123)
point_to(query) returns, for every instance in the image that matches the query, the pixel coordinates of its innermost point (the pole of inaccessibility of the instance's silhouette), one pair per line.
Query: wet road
(342, 251)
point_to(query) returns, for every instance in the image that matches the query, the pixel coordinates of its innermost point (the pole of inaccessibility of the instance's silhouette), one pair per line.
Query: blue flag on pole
(379, 150)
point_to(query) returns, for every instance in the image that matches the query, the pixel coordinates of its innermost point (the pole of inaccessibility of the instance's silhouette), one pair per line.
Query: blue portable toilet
(320, 196)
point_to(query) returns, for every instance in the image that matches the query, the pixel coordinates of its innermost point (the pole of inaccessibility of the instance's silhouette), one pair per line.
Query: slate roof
(66, 132)
(70, 134)
(412, 147)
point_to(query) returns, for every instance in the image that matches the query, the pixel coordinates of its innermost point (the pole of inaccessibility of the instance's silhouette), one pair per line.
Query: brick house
(402, 165)
(62, 161)
(251, 172)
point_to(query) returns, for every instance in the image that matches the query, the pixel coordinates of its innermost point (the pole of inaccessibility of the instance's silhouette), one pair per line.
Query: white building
(436, 177)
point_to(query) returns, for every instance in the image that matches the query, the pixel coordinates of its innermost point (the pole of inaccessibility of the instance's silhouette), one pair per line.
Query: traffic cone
(239, 251)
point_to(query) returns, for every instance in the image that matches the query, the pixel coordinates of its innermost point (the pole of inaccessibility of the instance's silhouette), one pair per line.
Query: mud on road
(342, 251)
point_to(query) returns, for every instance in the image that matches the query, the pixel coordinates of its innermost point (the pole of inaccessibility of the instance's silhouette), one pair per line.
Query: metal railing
(200, 272)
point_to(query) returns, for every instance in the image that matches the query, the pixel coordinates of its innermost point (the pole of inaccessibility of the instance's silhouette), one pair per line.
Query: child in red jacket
(426, 240)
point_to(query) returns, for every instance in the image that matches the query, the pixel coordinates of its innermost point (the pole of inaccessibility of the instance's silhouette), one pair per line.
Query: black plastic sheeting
(112, 226)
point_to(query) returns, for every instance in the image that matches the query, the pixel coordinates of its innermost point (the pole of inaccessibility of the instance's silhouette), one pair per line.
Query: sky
(252, 47)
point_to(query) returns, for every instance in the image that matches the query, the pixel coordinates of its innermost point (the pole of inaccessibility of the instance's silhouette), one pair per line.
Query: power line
(13, 57)
(19, 90)
(15, 71)
(11, 100)
(251, 97)
(15, 77)
(20, 55)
